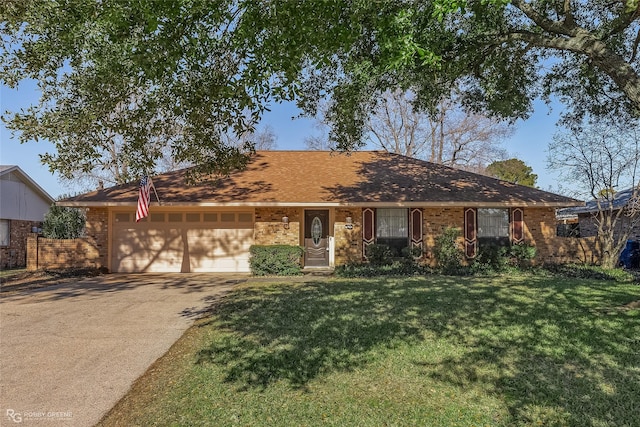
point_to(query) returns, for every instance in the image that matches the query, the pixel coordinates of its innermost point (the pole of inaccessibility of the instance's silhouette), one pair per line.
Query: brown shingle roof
(320, 177)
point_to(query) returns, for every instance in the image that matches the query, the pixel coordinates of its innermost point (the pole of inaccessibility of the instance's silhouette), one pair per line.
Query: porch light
(285, 222)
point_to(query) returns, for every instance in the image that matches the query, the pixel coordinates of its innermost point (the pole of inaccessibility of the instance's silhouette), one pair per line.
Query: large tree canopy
(513, 170)
(185, 72)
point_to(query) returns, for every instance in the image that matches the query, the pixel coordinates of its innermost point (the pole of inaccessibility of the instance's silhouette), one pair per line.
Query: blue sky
(528, 143)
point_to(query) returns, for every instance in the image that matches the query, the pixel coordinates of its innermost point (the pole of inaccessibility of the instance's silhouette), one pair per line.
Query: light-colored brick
(348, 242)
(89, 251)
(269, 229)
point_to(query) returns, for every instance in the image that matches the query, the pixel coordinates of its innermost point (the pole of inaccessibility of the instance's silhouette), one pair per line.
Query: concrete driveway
(68, 353)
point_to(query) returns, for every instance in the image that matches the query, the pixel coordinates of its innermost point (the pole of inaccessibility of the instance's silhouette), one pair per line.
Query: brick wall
(539, 228)
(269, 229)
(348, 242)
(540, 231)
(435, 221)
(89, 251)
(62, 253)
(15, 255)
(97, 227)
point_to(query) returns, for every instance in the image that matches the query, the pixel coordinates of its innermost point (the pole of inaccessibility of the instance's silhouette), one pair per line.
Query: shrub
(379, 255)
(62, 222)
(591, 272)
(383, 263)
(522, 254)
(447, 252)
(277, 260)
(396, 268)
(497, 259)
(491, 259)
(411, 253)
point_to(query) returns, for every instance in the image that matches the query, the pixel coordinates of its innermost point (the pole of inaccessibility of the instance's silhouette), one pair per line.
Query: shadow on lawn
(561, 354)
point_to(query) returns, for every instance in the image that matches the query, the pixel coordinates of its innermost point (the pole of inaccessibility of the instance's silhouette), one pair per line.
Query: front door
(316, 238)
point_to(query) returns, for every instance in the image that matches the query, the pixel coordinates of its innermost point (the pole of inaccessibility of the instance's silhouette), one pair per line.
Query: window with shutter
(517, 226)
(368, 229)
(416, 229)
(470, 234)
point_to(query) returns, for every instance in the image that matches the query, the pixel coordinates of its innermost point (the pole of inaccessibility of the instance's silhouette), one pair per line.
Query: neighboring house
(332, 204)
(23, 204)
(587, 225)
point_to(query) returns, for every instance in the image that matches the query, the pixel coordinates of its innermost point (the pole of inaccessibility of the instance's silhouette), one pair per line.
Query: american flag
(144, 196)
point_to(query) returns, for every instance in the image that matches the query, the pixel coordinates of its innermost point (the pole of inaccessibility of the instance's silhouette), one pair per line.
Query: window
(156, 217)
(4, 232)
(193, 217)
(245, 217)
(210, 217)
(493, 226)
(392, 229)
(227, 217)
(568, 230)
(123, 217)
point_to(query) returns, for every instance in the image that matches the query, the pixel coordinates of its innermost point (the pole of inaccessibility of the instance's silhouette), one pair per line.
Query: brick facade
(92, 251)
(435, 221)
(62, 253)
(269, 229)
(15, 255)
(540, 231)
(89, 251)
(348, 242)
(97, 227)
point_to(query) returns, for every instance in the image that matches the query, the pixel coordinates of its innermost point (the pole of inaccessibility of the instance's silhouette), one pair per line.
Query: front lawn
(11, 272)
(434, 351)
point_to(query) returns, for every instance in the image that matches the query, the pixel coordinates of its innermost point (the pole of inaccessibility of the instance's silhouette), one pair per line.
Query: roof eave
(471, 204)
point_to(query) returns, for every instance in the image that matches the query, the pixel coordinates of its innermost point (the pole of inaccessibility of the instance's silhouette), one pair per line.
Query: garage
(176, 241)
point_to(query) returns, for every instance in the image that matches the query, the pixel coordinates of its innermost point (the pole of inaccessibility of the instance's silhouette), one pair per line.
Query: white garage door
(182, 242)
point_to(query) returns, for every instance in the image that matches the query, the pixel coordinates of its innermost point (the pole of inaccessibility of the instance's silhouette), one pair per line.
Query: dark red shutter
(470, 234)
(416, 229)
(517, 226)
(368, 229)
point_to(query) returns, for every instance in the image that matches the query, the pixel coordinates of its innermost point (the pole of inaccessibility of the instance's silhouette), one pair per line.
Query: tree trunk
(441, 139)
(608, 258)
(606, 60)
(615, 67)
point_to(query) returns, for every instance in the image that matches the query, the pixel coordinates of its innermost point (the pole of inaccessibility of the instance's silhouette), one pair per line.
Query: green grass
(436, 351)
(11, 272)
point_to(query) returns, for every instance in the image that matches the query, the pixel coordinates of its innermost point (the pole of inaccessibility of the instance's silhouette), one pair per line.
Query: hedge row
(276, 260)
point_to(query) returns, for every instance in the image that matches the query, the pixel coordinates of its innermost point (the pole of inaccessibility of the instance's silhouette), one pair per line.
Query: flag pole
(155, 192)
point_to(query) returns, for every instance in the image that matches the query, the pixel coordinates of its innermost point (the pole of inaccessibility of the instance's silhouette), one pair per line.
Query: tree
(63, 223)
(451, 135)
(214, 68)
(598, 161)
(262, 138)
(318, 142)
(513, 170)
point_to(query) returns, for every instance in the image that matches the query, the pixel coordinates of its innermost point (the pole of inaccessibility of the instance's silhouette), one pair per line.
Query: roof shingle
(326, 178)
